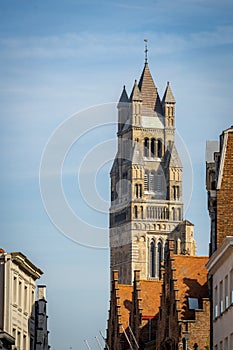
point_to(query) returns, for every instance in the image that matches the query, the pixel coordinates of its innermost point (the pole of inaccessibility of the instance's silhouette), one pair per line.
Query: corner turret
(168, 105)
(123, 109)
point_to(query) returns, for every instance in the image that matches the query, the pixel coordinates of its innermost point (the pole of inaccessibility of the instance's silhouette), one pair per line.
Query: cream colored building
(146, 184)
(220, 267)
(18, 278)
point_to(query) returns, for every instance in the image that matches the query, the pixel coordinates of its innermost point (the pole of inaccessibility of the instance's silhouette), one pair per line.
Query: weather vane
(146, 50)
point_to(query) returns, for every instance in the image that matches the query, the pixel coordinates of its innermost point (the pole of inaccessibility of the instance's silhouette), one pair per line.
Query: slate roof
(124, 97)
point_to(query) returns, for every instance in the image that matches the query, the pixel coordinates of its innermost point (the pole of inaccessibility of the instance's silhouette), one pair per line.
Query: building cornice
(26, 265)
(224, 249)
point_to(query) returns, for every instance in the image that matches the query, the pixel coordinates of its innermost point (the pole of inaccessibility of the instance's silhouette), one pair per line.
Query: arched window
(140, 191)
(159, 153)
(179, 214)
(141, 212)
(135, 212)
(146, 147)
(152, 147)
(173, 214)
(159, 258)
(152, 259)
(136, 191)
(176, 192)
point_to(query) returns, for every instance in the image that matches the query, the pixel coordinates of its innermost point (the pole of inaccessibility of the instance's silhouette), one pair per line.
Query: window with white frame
(193, 303)
(216, 302)
(20, 294)
(226, 292)
(221, 296)
(15, 287)
(231, 286)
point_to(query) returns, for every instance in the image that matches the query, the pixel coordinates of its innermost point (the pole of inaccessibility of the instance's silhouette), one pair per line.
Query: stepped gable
(125, 302)
(150, 300)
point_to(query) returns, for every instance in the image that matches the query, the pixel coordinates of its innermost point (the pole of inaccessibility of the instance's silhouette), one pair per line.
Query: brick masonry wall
(225, 196)
(199, 331)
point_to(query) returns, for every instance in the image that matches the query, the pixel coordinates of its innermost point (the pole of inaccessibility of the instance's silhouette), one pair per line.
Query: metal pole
(104, 340)
(100, 346)
(135, 340)
(127, 337)
(86, 342)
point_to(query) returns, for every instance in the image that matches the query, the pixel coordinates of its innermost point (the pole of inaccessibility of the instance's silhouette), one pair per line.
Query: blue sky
(58, 58)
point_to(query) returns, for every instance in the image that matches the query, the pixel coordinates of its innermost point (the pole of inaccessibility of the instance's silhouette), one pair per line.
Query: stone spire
(136, 93)
(168, 96)
(150, 97)
(124, 97)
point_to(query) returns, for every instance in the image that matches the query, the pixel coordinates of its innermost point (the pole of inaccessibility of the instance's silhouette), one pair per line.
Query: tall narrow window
(216, 302)
(20, 294)
(152, 259)
(221, 296)
(15, 290)
(173, 214)
(135, 212)
(146, 147)
(140, 190)
(152, 147)
(141, 212)
(159, 153)
(24, 342)
(18, 340)
(25, 298)
(231, 286)
(179, 213)
(226, 292)
(159, 258)
(136, 190)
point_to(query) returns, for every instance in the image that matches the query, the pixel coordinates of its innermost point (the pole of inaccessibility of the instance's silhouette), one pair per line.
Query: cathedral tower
(146, 184)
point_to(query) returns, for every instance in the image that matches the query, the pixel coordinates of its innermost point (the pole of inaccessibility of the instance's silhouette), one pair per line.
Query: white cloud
(86, 45)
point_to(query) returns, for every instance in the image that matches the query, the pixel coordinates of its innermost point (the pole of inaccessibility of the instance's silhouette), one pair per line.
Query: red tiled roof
(150, 294)
(125, 294)
(150, 299)
(191, 275)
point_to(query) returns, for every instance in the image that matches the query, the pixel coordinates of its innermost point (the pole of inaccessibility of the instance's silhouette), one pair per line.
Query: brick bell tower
(146, 184)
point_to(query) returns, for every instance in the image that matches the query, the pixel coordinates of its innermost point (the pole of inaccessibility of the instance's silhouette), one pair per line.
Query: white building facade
(17, 298)
(220, 268)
